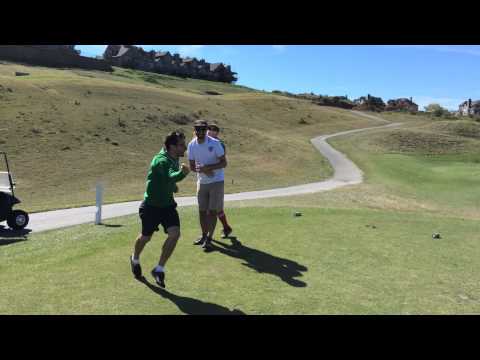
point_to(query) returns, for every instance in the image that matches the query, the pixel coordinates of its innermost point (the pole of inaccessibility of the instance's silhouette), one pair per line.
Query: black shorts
(153, 216)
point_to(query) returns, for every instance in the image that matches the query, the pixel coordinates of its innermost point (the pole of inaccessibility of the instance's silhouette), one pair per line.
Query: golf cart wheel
(18, 219)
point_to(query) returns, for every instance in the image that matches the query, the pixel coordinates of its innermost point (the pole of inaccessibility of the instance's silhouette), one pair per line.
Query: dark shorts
(153, 216)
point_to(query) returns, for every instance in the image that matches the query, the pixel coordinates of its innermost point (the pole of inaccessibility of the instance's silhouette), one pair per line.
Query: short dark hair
(173, 138)
(213, 127)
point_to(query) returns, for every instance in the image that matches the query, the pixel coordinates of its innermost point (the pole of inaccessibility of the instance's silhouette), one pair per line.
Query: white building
(469, 107)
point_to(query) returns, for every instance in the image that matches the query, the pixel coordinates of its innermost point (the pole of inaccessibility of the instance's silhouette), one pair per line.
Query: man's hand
(204, 169)
(185, 169)
(209, 173)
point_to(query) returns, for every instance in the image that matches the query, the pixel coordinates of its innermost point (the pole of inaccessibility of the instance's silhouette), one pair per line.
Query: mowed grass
(66, 130)
(427, 166)
(327, 261)
(434, 166)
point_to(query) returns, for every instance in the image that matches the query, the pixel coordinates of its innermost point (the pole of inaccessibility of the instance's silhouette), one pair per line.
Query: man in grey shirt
(207, 159)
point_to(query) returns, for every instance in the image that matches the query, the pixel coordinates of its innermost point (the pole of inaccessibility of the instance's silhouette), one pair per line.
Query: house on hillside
(469, 108)
(401, 104)
(203, 69)
(120, 55)
(163, 56)
(191, 66)
(134, 57)
(130, 56)
(369, 103)
(164, 62)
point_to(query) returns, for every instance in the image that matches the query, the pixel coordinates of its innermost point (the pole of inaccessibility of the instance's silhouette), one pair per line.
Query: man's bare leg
(169, 245)
(140, 243)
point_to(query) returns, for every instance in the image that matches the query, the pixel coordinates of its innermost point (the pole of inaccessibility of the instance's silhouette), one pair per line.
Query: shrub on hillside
(150, 79)
(180, 119)
(437, 110)
(335, 101)
(211, 92)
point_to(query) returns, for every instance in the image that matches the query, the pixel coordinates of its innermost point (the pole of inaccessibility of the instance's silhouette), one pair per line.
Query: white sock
(135, 261)
(159, 268)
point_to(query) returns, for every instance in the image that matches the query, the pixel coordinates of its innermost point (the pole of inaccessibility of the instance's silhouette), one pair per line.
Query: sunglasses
(200, 129)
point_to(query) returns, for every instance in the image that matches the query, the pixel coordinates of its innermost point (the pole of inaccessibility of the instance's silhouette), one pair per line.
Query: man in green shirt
(159, 206)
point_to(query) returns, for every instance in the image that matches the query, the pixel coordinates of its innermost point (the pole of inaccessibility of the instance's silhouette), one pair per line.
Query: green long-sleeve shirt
(162, 177)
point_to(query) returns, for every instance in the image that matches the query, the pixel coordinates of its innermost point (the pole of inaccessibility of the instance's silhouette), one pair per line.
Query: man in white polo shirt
(207, 159)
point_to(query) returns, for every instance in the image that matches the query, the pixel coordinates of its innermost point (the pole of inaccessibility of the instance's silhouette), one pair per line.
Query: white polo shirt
(207, 153)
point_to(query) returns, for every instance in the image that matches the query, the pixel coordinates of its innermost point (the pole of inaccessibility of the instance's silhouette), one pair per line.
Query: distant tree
(436, 109)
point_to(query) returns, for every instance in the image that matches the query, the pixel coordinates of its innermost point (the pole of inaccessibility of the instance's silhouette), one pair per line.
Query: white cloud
(470, 50)
(280, 48)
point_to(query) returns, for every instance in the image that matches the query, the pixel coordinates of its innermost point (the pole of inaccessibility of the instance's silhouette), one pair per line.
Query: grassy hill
(64, 130)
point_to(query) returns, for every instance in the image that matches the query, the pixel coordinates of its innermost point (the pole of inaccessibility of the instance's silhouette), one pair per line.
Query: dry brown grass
(65, 130)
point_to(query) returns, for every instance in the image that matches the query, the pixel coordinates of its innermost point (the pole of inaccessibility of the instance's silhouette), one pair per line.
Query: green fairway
(328, 261)
(438, 170)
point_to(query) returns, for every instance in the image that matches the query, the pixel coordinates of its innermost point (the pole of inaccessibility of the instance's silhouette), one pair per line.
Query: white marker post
(98, 212)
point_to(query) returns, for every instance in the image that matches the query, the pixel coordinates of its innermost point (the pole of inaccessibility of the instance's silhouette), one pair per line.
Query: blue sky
(445, 74)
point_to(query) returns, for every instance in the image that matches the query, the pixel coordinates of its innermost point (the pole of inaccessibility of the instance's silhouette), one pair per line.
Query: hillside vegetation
(64, 130)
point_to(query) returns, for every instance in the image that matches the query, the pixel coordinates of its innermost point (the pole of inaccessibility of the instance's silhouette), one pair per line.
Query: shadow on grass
(191, 306)
(112, 226)
(9, 236)
(262, 262)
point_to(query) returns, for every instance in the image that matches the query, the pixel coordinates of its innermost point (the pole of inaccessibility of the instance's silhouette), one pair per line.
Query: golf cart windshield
(6, 181)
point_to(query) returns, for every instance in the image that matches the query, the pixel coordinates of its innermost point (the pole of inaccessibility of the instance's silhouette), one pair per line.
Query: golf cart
(16, 219)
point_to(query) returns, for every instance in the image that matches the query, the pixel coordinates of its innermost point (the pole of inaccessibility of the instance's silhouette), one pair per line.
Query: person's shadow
(262, 262)
(9, 236)
(191, 306)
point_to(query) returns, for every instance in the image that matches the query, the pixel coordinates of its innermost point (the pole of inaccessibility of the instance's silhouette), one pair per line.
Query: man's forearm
(219, 165)
(176, 175)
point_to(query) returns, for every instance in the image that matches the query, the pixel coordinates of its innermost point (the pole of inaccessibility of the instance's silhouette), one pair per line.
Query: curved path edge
(345, 173)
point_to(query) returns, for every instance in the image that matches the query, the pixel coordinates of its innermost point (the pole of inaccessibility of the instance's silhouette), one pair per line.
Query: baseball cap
(200, 123)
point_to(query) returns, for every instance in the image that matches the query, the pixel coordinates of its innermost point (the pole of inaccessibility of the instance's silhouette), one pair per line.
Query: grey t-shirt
(207, 153)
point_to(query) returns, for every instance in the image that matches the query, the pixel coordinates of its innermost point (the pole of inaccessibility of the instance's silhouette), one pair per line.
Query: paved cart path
(345, 173)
